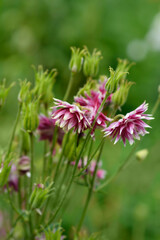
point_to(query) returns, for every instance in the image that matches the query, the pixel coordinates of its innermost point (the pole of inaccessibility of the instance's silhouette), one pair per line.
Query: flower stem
(90, 190)
(32, 160)
(156, 105)
(61, 156)
(14, 129)
(69, 86)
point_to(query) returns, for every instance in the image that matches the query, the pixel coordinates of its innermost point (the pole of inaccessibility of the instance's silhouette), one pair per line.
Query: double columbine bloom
(130, 126)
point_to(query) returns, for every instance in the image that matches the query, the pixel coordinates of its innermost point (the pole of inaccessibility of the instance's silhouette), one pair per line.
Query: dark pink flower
(92, 103)
(70, 116)
(46, 129)
(130, 126)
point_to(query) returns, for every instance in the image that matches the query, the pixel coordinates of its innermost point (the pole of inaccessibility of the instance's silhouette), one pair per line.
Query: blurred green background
(41, 32)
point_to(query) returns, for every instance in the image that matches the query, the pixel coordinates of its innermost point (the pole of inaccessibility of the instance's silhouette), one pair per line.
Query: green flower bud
(44, 84)
(30, 116)
(91, 63)
(120, 96)
(76, 61)
(40, 194)
(142, 154)
(25, 142)
(117, 76)
(24, 92)
(4, 92)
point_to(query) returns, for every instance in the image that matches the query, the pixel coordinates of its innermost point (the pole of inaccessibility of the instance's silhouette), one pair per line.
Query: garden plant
(73, 130)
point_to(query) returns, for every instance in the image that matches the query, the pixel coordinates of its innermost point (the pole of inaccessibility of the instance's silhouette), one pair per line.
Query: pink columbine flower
(46, 129)
(130, 126)
(92, 103)
(70, 116)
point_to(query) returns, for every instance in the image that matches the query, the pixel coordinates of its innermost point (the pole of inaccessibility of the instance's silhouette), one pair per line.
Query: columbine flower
(130, 126)
(69, 116)
(46, 129)
(92, 103)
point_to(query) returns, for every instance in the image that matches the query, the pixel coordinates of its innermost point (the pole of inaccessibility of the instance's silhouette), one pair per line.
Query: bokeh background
(41, 32)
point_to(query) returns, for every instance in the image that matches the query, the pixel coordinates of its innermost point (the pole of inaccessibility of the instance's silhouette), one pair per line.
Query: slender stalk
(14, 129)
(156, 105)
(32, 160)
(69, 86)
(90, 190)
(31, 181)
(61, 156)
(90, 159)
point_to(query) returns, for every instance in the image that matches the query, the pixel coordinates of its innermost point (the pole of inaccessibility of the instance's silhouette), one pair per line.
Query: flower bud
(40, 194)
(44, 84)
(76, 61)
(30, 121)
(120, 96)
(24, 165)
(117, 76)
(24, 92)
(142, 154)
(91, 63)
(4, 92)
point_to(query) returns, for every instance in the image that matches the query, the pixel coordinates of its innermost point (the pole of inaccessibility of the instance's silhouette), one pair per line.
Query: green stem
(32, 161)
(90, 190)
(156, 105)
(69, 86)
(90, 159)
(31, 181)
(14, 130)
(61, 156)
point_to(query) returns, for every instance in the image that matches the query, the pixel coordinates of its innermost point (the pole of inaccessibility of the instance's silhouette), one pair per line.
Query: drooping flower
(46, 129)
(130, 126)
(68, 116)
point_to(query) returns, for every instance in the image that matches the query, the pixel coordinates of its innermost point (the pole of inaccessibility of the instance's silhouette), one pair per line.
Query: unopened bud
(31, 120)
(44, 84)
(24, 165)
(120, 96)
(142, 154)
(117, 76)
(91, 63)
(24, 92)
(76, 61)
